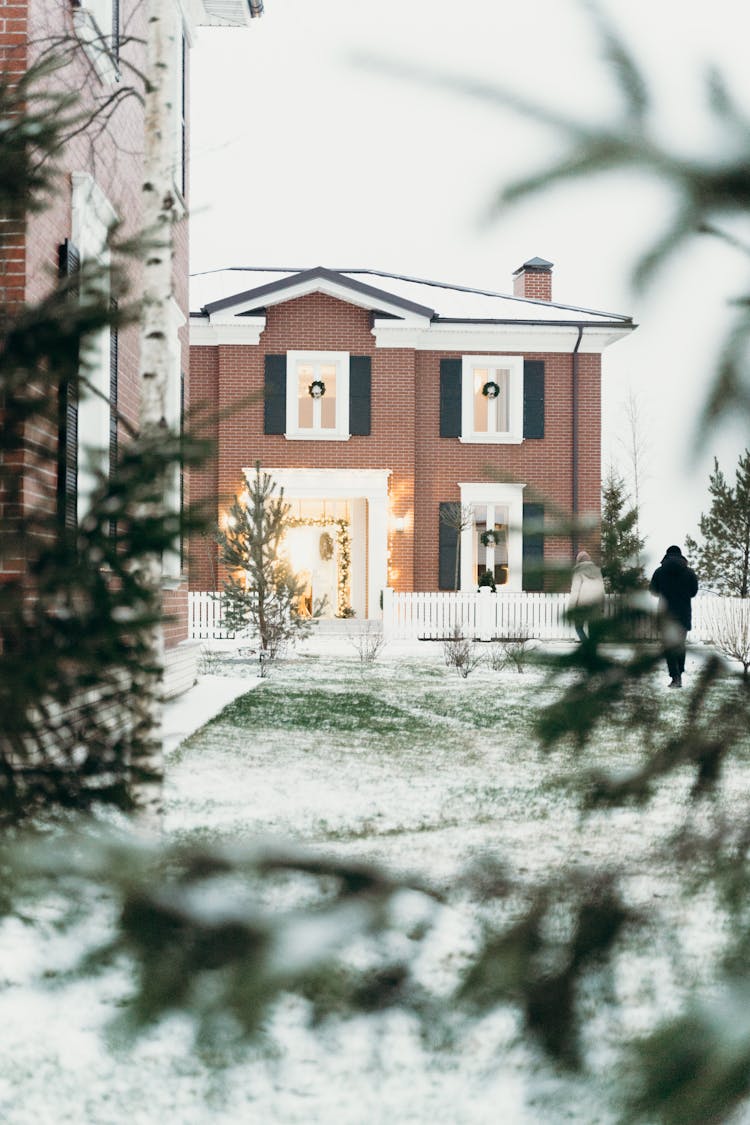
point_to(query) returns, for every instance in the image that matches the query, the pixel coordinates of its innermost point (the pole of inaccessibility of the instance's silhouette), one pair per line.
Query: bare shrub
(728, 626)
(367, 643)
(513, 653)
(461, 653)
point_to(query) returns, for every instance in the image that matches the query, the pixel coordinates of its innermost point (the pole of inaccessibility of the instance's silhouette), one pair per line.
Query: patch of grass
(321, 709)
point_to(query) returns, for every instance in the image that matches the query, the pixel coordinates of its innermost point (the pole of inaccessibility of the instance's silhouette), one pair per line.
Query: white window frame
(508, 497)
(93, 24)
(92, 216)
(514, 365)
(171, 560)
(341, 430)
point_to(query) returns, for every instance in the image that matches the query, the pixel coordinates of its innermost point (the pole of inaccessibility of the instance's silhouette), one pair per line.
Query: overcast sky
(305, 153)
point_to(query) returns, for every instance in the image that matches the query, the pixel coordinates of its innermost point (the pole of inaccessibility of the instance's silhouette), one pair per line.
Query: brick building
(377, 401)
(100, 45)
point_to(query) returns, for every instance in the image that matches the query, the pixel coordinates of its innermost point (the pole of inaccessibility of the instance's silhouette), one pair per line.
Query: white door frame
(347, 484)
(510, 496)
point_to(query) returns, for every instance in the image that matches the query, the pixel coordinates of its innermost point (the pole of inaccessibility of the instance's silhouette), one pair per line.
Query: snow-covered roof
(221, 291)
(407, 312)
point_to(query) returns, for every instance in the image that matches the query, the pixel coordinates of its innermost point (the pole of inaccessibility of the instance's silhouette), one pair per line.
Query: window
(492, 399)
(97, 24)
(317, 395)
(493, 538)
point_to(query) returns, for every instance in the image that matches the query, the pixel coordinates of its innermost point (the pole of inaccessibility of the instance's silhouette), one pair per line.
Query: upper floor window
(317, 395)
(492, 399)
(97, 24)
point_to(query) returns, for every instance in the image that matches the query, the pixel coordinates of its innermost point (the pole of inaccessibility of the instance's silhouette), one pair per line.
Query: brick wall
(111, 151)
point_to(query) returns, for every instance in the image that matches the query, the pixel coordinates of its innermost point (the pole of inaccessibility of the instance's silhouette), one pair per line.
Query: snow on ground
(403, 763)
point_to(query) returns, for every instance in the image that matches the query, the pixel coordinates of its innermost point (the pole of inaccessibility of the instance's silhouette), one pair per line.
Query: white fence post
(388, 614)
(485, 615)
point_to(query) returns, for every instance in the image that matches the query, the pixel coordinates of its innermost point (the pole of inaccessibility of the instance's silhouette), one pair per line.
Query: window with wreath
(492, 398)
(317, 394)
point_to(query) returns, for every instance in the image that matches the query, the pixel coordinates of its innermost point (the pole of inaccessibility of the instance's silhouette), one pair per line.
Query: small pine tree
(722, 560)
(621, 544)
(267, 596)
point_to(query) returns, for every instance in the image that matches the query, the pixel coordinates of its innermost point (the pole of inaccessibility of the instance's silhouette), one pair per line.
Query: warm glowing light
(399, 524)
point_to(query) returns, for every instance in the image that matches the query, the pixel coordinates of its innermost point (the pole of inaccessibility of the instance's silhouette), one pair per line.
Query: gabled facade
(379, 403)
(102, 47)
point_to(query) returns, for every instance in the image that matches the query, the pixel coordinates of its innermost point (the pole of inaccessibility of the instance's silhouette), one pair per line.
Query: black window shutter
(533, 547)
(113, 399)
(274, 405)
(69, 261)
(115, 38)
(450, 398)
(448, 550)
(533, 398)
(360, 388)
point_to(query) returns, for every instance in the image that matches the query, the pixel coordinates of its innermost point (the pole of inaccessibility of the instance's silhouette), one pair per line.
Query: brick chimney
(533, 279)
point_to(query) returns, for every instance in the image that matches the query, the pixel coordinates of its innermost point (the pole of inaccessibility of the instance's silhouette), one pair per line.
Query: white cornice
(346, 484)
(206, 334)
(463, 338)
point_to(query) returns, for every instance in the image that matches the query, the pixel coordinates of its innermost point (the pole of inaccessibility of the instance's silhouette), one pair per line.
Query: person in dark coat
(675, 584)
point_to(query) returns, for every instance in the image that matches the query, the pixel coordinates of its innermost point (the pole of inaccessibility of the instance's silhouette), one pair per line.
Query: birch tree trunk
(158, 217)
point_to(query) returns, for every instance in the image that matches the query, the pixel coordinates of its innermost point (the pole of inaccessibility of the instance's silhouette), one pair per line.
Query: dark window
(113, 400)
(69, 260)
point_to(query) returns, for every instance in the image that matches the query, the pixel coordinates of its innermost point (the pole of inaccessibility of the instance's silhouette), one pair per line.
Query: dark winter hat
(673, 550)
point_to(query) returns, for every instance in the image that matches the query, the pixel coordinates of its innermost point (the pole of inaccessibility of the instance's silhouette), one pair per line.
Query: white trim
(514, 434)
(204, 334)
(316, 484)
(346, 484)
(295, 432)
(319, 285)
(92, 215)
(495, 337)
(509, 496)
(92, 23)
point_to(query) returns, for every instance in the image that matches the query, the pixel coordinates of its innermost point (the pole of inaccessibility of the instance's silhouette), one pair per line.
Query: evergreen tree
(722, 560)
(621, 544)
(266, 595)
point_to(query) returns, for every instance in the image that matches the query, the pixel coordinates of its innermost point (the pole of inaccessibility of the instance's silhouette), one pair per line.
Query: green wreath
(491, 389)
(490, 538)
(316, 389)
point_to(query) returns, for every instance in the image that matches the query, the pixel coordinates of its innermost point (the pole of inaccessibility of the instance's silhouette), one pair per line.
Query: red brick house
(377, 400)
(100, 183)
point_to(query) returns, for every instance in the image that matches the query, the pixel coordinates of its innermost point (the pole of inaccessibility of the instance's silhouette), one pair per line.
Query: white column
(377, 525)
(486, 613)
(468, 579)
(387, 613)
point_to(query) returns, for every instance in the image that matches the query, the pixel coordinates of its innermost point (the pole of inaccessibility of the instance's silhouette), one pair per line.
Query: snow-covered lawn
(403, 763)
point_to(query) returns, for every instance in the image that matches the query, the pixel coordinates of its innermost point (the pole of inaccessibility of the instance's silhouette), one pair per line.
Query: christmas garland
(491, 389)
(316, 389)
(344, 541)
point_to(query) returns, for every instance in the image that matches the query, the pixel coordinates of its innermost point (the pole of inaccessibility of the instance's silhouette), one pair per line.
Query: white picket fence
(481, 615)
